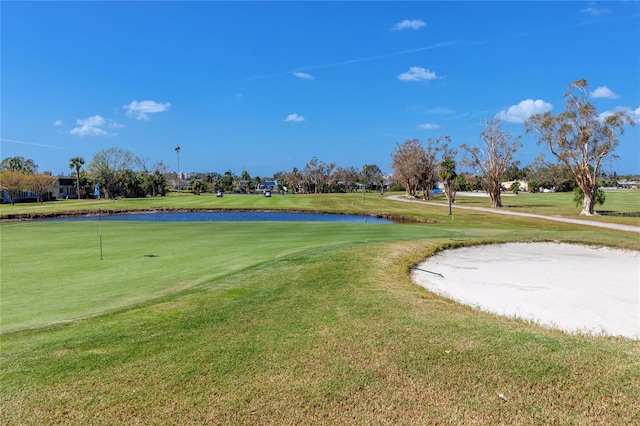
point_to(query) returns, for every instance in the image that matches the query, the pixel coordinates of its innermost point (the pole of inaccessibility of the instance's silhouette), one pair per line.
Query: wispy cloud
(294, 118)
(58, 123)
(417, 74)
(412, 24)
(521, 112)
(95, 126)
(32, 143)
(303, 75)
(429, 126)
(593, 9)
(604, 92)
(360, 60)
(139, 110)
(633, 113)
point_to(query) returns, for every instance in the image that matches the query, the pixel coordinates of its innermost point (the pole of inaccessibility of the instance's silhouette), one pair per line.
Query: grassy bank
(220, 323)
(621, 206)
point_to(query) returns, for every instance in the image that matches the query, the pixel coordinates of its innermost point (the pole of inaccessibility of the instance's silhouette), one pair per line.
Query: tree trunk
(588, 203)
(447, 188)
(496, 199)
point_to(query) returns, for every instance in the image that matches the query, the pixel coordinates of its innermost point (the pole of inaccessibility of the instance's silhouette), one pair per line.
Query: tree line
(579, 139)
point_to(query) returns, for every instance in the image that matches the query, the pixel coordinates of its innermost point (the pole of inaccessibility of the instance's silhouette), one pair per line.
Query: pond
(232, 216)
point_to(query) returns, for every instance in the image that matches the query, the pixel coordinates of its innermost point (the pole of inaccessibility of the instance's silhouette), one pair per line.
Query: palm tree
(77, 163)
(246, 178)
(448, 174)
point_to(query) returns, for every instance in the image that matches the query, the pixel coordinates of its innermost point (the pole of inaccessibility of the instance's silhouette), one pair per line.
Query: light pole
(177, 150)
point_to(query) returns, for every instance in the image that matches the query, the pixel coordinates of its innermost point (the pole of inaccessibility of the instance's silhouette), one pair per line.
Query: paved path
(616, 226)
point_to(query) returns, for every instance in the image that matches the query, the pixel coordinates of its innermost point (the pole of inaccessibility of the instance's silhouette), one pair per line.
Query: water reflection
(232, 216)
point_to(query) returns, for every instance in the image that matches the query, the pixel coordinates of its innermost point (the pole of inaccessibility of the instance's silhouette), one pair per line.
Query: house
(524, 185)
(267, 185)
(65, 189)
(630, 184)
(22, 197)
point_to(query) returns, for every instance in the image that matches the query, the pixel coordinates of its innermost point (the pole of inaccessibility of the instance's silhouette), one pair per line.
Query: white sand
(570, 287)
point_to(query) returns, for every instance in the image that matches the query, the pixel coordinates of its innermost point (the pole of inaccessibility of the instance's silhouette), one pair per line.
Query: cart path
(616, 226)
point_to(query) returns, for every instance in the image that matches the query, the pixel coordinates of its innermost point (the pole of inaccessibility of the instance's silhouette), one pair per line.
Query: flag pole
(100, 226)
(96, 193)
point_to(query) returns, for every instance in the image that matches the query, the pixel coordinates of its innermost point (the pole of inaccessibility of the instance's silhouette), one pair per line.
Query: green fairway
(52, 271)
(286, 323)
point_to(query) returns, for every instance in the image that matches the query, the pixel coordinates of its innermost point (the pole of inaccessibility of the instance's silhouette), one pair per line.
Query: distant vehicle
(219, 194)
(267, 193)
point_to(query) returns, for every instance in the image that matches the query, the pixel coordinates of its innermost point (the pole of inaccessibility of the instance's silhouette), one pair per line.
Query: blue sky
(266, 86)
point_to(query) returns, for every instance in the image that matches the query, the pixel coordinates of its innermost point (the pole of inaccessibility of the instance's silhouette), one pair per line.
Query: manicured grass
(284, 323)
(621, 206)
(53, 272)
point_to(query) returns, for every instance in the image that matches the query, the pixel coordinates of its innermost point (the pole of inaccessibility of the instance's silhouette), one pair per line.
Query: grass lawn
(285, 323)
(621, 206)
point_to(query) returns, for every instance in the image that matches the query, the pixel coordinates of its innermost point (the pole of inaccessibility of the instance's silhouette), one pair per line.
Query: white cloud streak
(429, 126)
(31, 143)
(363, 59)
(412, 24)
(417, 74)
(604, 92)
(139, 110)
(58, 123)
(521, 112)
(303, 75)
(293, 118)
(594, 10)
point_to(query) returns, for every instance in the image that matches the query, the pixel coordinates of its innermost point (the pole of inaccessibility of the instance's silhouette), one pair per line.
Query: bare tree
(430, 164)
(313, 175)
(580, 139)
(108, 167)
(371, 175)
(407, 161)
(346, 178)
(492, 162)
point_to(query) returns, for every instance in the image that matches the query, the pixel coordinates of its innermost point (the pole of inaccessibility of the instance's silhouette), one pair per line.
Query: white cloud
(304, 76)
(417, 74)
(413, 24)
(294, 118)
(525, 109)
(58, 123)
(429, 126)
(604, 92)
(594, 10)
(633, 113)
(139, 110)
(94, 126)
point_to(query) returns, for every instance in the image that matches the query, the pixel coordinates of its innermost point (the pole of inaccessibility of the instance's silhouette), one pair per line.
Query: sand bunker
(570, 287)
